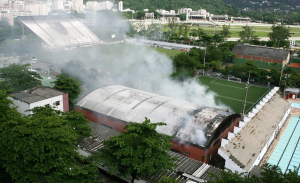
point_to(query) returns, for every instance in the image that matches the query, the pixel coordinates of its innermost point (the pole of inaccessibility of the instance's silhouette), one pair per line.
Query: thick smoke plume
(138, 67)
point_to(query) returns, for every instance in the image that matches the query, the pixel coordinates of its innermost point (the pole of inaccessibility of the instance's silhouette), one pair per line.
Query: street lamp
(204, 58)
(247, 88)
(286, 78)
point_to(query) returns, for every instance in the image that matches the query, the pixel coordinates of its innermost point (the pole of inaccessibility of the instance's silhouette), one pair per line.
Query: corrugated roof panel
(132, 105)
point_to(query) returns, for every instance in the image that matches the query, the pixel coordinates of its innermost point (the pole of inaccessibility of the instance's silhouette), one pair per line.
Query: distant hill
(213, 6)
(268, 4)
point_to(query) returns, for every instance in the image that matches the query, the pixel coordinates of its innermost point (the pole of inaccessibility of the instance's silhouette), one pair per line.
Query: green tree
(269, 173)
(247, 34)
(19, 77)
(232, 177)
(185, 63)
(138, 152)
(182, 17)
(41, 147)
(279, 35)
(186, 29)
(215, 65)
(225, 33)
(168, 180)
(69, 85)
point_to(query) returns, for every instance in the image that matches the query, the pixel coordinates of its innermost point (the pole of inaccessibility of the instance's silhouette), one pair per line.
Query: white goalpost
(235, 79)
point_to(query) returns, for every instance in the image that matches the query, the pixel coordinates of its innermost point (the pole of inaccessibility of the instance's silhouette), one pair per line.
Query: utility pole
(281, 71)
(204, 58)
(247, 88)
(286, 78)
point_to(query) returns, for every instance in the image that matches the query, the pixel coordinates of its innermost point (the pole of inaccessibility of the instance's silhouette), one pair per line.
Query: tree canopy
(138, 152)
(269, 173)
(18, 77)
(68, 85)
(279, 35)
(41, 147)
(247, 34)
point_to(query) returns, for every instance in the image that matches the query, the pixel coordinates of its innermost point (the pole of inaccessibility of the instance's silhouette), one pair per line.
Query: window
(57, 103)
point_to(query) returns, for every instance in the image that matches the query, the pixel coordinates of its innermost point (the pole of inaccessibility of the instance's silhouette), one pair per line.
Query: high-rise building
(120, 7)
(78, 5)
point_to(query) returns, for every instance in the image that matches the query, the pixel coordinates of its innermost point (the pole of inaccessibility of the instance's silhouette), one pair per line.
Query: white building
(6, 15)
(3, 3)
(106, 5)
(68, 5)
(39, 9)
(94, 5)
(38, 97)
(184, 10)
(120, 7)
(58, 5)
(77, 5)
(149, 15)
(18, 5)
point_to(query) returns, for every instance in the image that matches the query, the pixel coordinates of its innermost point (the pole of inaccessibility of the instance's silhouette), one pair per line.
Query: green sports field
(233, 93)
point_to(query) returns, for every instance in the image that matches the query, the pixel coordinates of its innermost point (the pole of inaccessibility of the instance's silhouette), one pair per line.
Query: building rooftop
(36, 94)
(185, 170)
(246, 146)
(59, 31)
(261, 51)
(186, 121)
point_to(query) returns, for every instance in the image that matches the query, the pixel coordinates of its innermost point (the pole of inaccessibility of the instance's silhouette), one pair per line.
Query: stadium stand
(60, 31)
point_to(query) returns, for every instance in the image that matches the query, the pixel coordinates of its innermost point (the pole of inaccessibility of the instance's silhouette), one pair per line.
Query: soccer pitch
(233, 93)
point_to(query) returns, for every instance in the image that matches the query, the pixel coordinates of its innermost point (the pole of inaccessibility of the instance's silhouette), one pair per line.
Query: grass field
(260, 31)
(85, 53)
(233, 93)
(170, 53)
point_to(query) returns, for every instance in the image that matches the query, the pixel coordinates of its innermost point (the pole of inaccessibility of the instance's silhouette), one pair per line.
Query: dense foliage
(279, 35)
(270, 173)
(139, 151)
(68, 85)
(41, 147)
(18, 77)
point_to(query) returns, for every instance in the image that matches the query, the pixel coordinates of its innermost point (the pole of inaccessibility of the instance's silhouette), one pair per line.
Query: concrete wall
(23, 107)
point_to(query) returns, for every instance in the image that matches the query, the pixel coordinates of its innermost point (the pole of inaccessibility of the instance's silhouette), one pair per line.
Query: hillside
(279, 6)
(213, 6)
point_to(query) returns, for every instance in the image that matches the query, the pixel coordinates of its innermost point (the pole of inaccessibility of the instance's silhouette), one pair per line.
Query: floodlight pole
(281, 71)
(204, 58)
(247, 87)
(286, 78)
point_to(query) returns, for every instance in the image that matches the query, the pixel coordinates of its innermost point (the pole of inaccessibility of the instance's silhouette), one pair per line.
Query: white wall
(22, 106)
(231, 165)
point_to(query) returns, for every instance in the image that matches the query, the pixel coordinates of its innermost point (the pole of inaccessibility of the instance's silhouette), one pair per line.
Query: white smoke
(143, 68)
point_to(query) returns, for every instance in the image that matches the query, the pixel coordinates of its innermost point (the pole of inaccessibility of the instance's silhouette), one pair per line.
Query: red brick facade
(196, 152)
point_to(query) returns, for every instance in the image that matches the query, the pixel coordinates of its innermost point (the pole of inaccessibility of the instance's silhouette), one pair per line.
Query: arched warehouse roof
(185, 121)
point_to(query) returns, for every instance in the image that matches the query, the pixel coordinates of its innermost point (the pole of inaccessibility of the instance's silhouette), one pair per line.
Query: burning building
(196, 130)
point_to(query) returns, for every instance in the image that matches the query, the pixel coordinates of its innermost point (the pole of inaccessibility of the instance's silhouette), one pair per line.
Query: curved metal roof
(184, 120)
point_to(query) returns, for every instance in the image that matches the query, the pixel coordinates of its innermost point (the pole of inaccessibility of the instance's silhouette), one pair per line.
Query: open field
(260, 31)
(170, 53)
(85, 53)
(233, 93)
